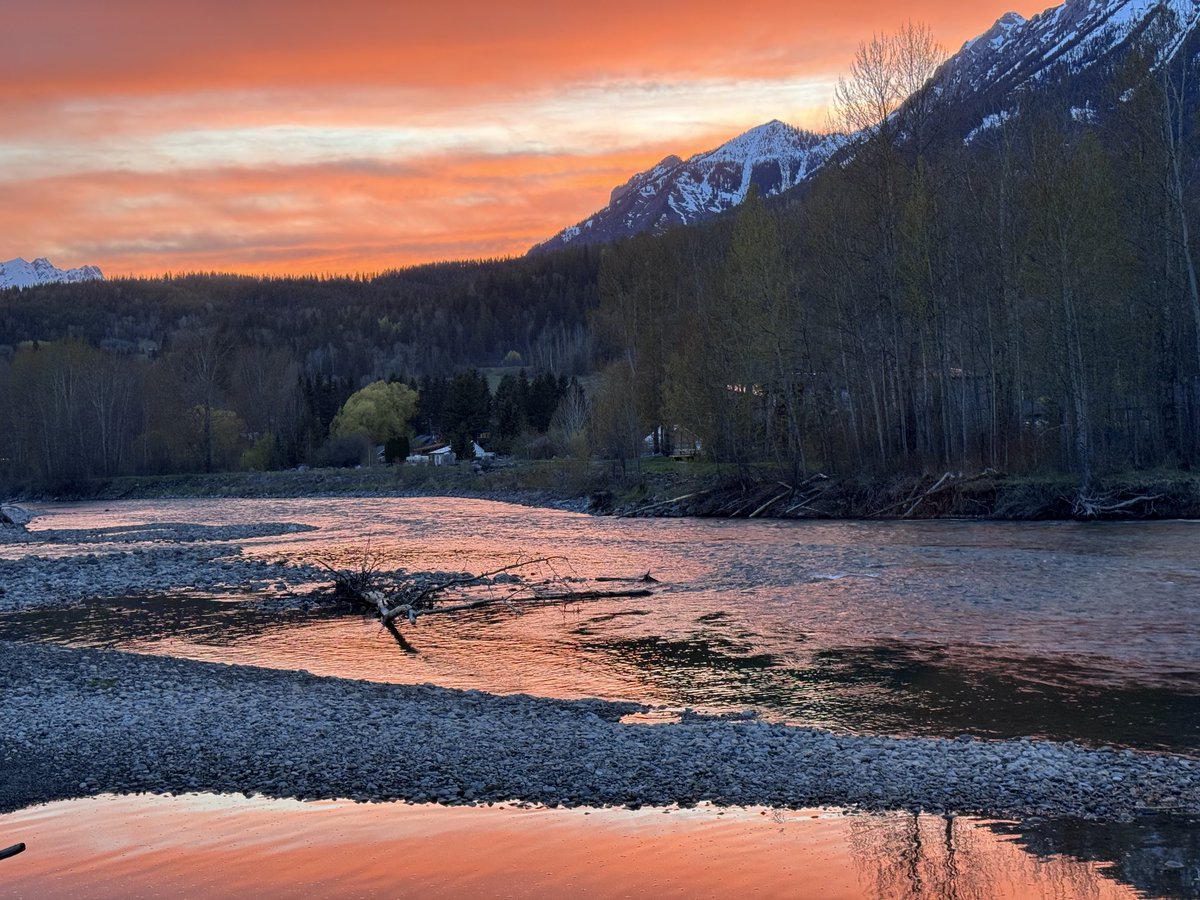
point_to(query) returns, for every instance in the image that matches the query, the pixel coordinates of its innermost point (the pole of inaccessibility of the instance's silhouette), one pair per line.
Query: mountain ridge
(974, 90)
(19, 273)
(772, 157)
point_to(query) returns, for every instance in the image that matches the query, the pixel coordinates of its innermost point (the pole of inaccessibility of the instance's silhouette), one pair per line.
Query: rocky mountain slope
(1067, 52)
(772, 157)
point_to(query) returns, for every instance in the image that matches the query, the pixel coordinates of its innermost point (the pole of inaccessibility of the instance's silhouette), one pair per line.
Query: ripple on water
(218, 846)
(998, 629)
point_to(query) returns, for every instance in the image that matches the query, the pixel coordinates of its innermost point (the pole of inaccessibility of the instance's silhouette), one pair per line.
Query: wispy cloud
(283, 136)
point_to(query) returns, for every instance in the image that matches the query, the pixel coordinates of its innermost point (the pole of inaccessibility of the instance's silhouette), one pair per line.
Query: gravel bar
(76, 723)
(139, 560)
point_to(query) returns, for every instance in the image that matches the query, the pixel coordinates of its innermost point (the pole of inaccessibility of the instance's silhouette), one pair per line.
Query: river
(1059, 630)
(1088, 633)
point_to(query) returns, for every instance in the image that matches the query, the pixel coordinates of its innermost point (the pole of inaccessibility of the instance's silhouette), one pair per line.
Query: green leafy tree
(381, 411)
(208, 438)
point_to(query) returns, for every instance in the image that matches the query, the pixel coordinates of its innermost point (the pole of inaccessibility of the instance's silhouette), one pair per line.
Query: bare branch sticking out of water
(527, 581)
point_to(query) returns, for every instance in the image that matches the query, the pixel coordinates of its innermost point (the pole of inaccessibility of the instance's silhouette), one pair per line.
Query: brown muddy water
(1074, 632)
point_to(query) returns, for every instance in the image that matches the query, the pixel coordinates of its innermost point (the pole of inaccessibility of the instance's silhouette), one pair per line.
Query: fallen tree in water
(395, 597)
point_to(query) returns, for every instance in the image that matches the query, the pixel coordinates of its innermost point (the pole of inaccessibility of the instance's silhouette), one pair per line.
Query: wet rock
(40, 580)
(14, 516)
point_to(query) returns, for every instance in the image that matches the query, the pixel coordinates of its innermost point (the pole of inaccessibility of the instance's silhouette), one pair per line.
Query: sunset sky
(295, 136)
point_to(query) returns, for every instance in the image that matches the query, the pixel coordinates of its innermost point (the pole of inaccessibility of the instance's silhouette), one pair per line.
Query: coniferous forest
(1027, 301)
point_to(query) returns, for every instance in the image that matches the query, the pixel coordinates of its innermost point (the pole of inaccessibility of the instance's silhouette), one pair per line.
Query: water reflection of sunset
(203, 846)
(996, 629)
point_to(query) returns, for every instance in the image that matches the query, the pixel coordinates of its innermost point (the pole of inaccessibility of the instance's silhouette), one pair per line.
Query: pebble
(178, 725)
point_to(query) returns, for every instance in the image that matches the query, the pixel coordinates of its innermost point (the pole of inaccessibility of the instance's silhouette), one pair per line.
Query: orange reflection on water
(209, 846)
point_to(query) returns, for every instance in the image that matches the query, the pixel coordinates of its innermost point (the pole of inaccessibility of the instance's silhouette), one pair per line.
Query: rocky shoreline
(161, 559)
(83, 722)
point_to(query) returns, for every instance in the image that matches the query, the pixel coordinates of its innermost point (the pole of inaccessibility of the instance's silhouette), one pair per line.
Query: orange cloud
(360, 216)
(82, 47)
(292, 136)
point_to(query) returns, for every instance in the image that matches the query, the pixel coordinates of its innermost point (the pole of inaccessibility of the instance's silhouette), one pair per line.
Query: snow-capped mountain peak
(1066, 53)
(772, 157)
(994, 37)
(774, 140)
(18, 273)
(1071, 48)
(1064, 41)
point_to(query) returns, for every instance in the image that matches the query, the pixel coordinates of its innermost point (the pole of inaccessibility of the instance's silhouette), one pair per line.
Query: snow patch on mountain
(990, 121)
(1084, 114)
(18, 273)
(772, 157)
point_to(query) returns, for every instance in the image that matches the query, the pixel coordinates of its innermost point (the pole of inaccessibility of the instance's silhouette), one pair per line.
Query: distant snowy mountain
(771, 157)
(1066, 52)
(1069, 50)
(21, 274)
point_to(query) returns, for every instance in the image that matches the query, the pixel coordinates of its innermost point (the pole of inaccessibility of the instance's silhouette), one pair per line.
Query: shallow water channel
(206, 846)
(1088, 633)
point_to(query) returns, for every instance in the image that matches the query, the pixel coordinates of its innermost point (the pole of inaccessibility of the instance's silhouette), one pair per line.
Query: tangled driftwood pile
(527, 581)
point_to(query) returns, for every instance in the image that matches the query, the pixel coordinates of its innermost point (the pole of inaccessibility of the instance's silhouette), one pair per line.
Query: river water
(200, 846)
(1074, 632)
(1068, 631)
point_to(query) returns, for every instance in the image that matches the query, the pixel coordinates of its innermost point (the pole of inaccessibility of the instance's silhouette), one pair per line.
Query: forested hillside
(426, 320)
(202, 371)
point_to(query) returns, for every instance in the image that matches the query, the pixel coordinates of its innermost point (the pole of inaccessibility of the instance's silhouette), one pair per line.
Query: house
(430, 451)
(426, 443)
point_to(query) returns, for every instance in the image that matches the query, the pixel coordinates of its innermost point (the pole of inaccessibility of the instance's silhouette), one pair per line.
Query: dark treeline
(72, 411)
(210, 372)
(434, 319)
(1027, 301)
(532, 417)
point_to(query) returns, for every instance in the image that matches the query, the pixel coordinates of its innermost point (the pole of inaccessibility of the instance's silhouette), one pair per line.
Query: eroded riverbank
(666, 488)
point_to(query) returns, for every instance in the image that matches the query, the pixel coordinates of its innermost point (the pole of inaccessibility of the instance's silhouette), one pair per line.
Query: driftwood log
(1088, 505)
(522, 583)
(921, 494)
